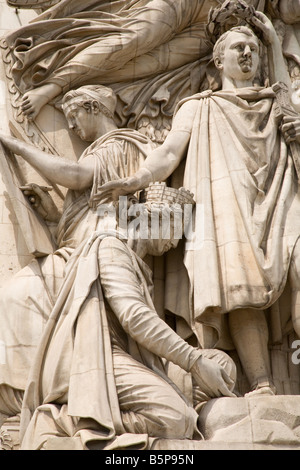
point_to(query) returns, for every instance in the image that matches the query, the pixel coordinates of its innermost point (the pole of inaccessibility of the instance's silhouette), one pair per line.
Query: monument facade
(150, 224)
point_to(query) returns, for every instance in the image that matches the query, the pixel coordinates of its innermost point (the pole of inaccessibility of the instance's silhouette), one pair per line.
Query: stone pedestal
(248, 423)
(254, 423)
(260, 420)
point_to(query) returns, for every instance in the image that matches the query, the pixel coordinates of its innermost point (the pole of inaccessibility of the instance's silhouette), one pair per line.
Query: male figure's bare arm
(59, 170)
(165, 159)
(278, 69)
(161, 163)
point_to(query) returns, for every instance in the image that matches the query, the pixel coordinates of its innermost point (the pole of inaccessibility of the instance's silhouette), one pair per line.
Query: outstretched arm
(161, 163)
(59, 170)
(158, 166)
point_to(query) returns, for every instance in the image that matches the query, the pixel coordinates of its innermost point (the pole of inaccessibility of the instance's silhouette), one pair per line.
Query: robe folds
(27, 299)
(74, 43)
(152, 53)
(71, 389)
(56, 337)
(99, 41)
(247, 217)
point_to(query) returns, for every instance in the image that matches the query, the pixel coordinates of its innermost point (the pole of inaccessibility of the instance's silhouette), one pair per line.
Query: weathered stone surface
(145, 102)
(259, 420)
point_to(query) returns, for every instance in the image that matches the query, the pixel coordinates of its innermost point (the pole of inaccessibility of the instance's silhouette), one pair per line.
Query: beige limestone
(153, 84)
(234, 267)
(12, 254)
(261, 420)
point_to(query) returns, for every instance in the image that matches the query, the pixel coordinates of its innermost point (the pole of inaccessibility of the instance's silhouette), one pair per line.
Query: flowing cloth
(82, 360)
(153, 53)
(247, 217)
(73, 44)
(118, 154)
(73, 365)
(27, 300)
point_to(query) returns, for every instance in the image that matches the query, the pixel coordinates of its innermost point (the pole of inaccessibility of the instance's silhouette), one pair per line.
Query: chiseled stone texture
(13, 251)
(257, 420)
(256, 423)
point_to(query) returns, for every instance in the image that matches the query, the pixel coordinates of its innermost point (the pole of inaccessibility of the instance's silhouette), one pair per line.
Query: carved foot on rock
(261, 391)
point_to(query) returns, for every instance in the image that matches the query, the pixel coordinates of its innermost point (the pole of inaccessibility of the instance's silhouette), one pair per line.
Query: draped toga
(28, 298)
(247, 217)
(72, 44)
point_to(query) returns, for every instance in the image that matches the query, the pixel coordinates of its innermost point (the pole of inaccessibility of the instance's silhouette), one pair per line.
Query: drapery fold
(247, 213)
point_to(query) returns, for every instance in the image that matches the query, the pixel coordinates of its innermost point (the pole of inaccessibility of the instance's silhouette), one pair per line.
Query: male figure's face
(241, 57)
(160, 246)
(166, 240)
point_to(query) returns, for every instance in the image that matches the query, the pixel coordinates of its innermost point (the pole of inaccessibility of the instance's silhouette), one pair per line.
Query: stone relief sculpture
(113, 153)
(248, 180)
(137, 403)
(202, 94)
(165, 66)
(38, 4)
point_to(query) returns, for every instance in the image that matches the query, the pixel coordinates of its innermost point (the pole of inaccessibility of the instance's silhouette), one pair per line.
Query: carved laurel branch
(230, 13)
(6, 442)
(29, 128)
(44, 4)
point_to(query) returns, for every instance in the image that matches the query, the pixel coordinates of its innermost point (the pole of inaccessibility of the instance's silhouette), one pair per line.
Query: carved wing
(35, 232)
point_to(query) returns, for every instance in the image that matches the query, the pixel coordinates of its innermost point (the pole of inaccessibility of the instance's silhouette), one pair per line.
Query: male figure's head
(236, 56)
(160, 221)
(89, 111)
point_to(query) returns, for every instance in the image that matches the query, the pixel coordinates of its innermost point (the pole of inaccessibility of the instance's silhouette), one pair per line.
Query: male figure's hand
(262, 22)
(212, 378)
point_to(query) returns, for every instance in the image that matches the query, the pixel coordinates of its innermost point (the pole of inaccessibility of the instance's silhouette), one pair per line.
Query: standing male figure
(242, 174)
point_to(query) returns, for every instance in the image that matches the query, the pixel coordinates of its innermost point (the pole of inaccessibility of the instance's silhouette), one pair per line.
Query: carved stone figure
(131, 48)
(67, 56)
(245, 184)
(224, 108)
(28, 298)
(111, 371)
(122, 35)
(149, 81)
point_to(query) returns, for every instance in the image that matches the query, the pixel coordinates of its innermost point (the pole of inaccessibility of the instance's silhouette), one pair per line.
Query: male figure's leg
(148, 404)
(249, 331)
